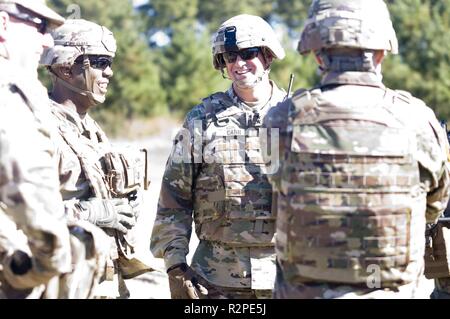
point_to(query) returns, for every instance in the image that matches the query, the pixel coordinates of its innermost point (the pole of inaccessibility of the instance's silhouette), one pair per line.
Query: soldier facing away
(99, 183)
(216, 176)
(364, 166)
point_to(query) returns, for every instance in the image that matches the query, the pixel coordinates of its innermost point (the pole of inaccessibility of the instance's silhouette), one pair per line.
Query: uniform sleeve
(173, 224)
(433, 164)
(278, 137)
(29, 187)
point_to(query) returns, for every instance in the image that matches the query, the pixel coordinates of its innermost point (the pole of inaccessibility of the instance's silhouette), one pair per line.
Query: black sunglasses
(97, 62)
(245, 54)
(40, 23)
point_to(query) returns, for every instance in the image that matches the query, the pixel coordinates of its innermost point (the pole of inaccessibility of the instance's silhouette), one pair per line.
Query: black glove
(185, 283)
(136, 200)
(110, 213)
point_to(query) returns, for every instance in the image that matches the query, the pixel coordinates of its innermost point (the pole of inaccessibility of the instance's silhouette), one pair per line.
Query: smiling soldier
(226, 193)
(89, 167)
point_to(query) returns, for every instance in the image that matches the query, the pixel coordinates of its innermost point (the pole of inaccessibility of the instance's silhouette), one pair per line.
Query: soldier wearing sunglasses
(80, 65)
(229, 199)
(34, 238)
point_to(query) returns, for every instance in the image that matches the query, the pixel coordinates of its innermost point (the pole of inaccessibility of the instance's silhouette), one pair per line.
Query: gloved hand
(110, 213)
(184, 283)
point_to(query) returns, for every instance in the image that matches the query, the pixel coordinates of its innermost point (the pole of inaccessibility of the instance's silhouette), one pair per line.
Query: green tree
(188, 74)
(214, 12)
(423, 66)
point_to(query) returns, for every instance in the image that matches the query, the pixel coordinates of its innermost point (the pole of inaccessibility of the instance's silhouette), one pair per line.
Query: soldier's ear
(4, 24)
(318, 59)
(268, 57)
(379, 56)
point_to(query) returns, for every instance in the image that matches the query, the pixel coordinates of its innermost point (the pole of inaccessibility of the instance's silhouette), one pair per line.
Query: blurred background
(163, 68)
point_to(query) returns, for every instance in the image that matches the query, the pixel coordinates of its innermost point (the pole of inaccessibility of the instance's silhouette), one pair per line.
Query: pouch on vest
(437, 253)
(126, 172)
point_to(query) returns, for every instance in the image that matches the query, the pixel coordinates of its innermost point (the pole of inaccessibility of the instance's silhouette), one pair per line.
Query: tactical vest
(233, 198)
(92, 160)
(352, 203)
(89, 155)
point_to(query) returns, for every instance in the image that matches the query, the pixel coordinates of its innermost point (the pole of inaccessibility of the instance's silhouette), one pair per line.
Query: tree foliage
(151, 78)
(423, 66)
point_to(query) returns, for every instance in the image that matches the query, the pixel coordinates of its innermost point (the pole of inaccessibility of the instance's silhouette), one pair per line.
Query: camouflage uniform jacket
(226, 194)
(29, 192)
(81, 147)
(81, 143)
(311, 190)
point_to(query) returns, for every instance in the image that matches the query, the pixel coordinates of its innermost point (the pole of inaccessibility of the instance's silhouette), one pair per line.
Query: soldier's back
(358, 198)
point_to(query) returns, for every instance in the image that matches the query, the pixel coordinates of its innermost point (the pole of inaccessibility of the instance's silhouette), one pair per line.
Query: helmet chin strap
(94, 99)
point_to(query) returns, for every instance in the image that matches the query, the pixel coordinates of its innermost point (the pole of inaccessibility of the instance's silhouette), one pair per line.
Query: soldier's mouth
(103, 87)
(244, 72)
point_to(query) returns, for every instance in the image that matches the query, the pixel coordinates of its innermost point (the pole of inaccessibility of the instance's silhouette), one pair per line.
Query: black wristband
(182, 266)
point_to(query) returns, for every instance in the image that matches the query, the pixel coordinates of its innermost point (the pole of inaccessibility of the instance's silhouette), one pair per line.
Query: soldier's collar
(252, 108)
(70, 114)
(355, 78)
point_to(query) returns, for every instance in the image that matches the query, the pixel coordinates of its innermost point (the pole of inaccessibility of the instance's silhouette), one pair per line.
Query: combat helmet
(77, 38)
(359, 24)
(38, 7)
(241, 32)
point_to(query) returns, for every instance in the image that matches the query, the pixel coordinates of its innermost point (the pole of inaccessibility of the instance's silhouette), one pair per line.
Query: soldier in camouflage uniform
(216, 176)
(36, 241)
(364, 166)
(34, 238)
(92, 173)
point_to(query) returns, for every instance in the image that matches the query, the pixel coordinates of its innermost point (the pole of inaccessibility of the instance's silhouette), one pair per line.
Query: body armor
(233, 198)
(101, 174)
(353, 194)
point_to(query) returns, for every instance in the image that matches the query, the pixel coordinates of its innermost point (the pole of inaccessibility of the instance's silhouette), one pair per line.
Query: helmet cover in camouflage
(78, 37)
(360, 24)
(245, 31)
(40, 8)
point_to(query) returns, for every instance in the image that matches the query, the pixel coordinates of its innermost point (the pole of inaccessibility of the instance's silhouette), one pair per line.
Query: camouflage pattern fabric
(364, 169)
(77, 37)
(225, 192)
(81, 147)
(29, 190)
(321, 290)
(348, 24)
(40, 8)
(239, 293)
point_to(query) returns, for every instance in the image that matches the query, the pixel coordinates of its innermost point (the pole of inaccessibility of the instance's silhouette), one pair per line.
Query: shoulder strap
(214, 104)
(94, 174)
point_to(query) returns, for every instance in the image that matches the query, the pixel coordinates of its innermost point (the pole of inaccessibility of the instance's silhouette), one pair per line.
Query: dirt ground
(154, 285)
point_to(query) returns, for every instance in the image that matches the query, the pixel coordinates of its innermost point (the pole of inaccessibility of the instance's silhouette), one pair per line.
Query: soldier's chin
(245, 84)
(99, 98)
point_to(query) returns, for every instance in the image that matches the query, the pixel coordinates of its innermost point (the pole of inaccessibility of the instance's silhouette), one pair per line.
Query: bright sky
(139, 2)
